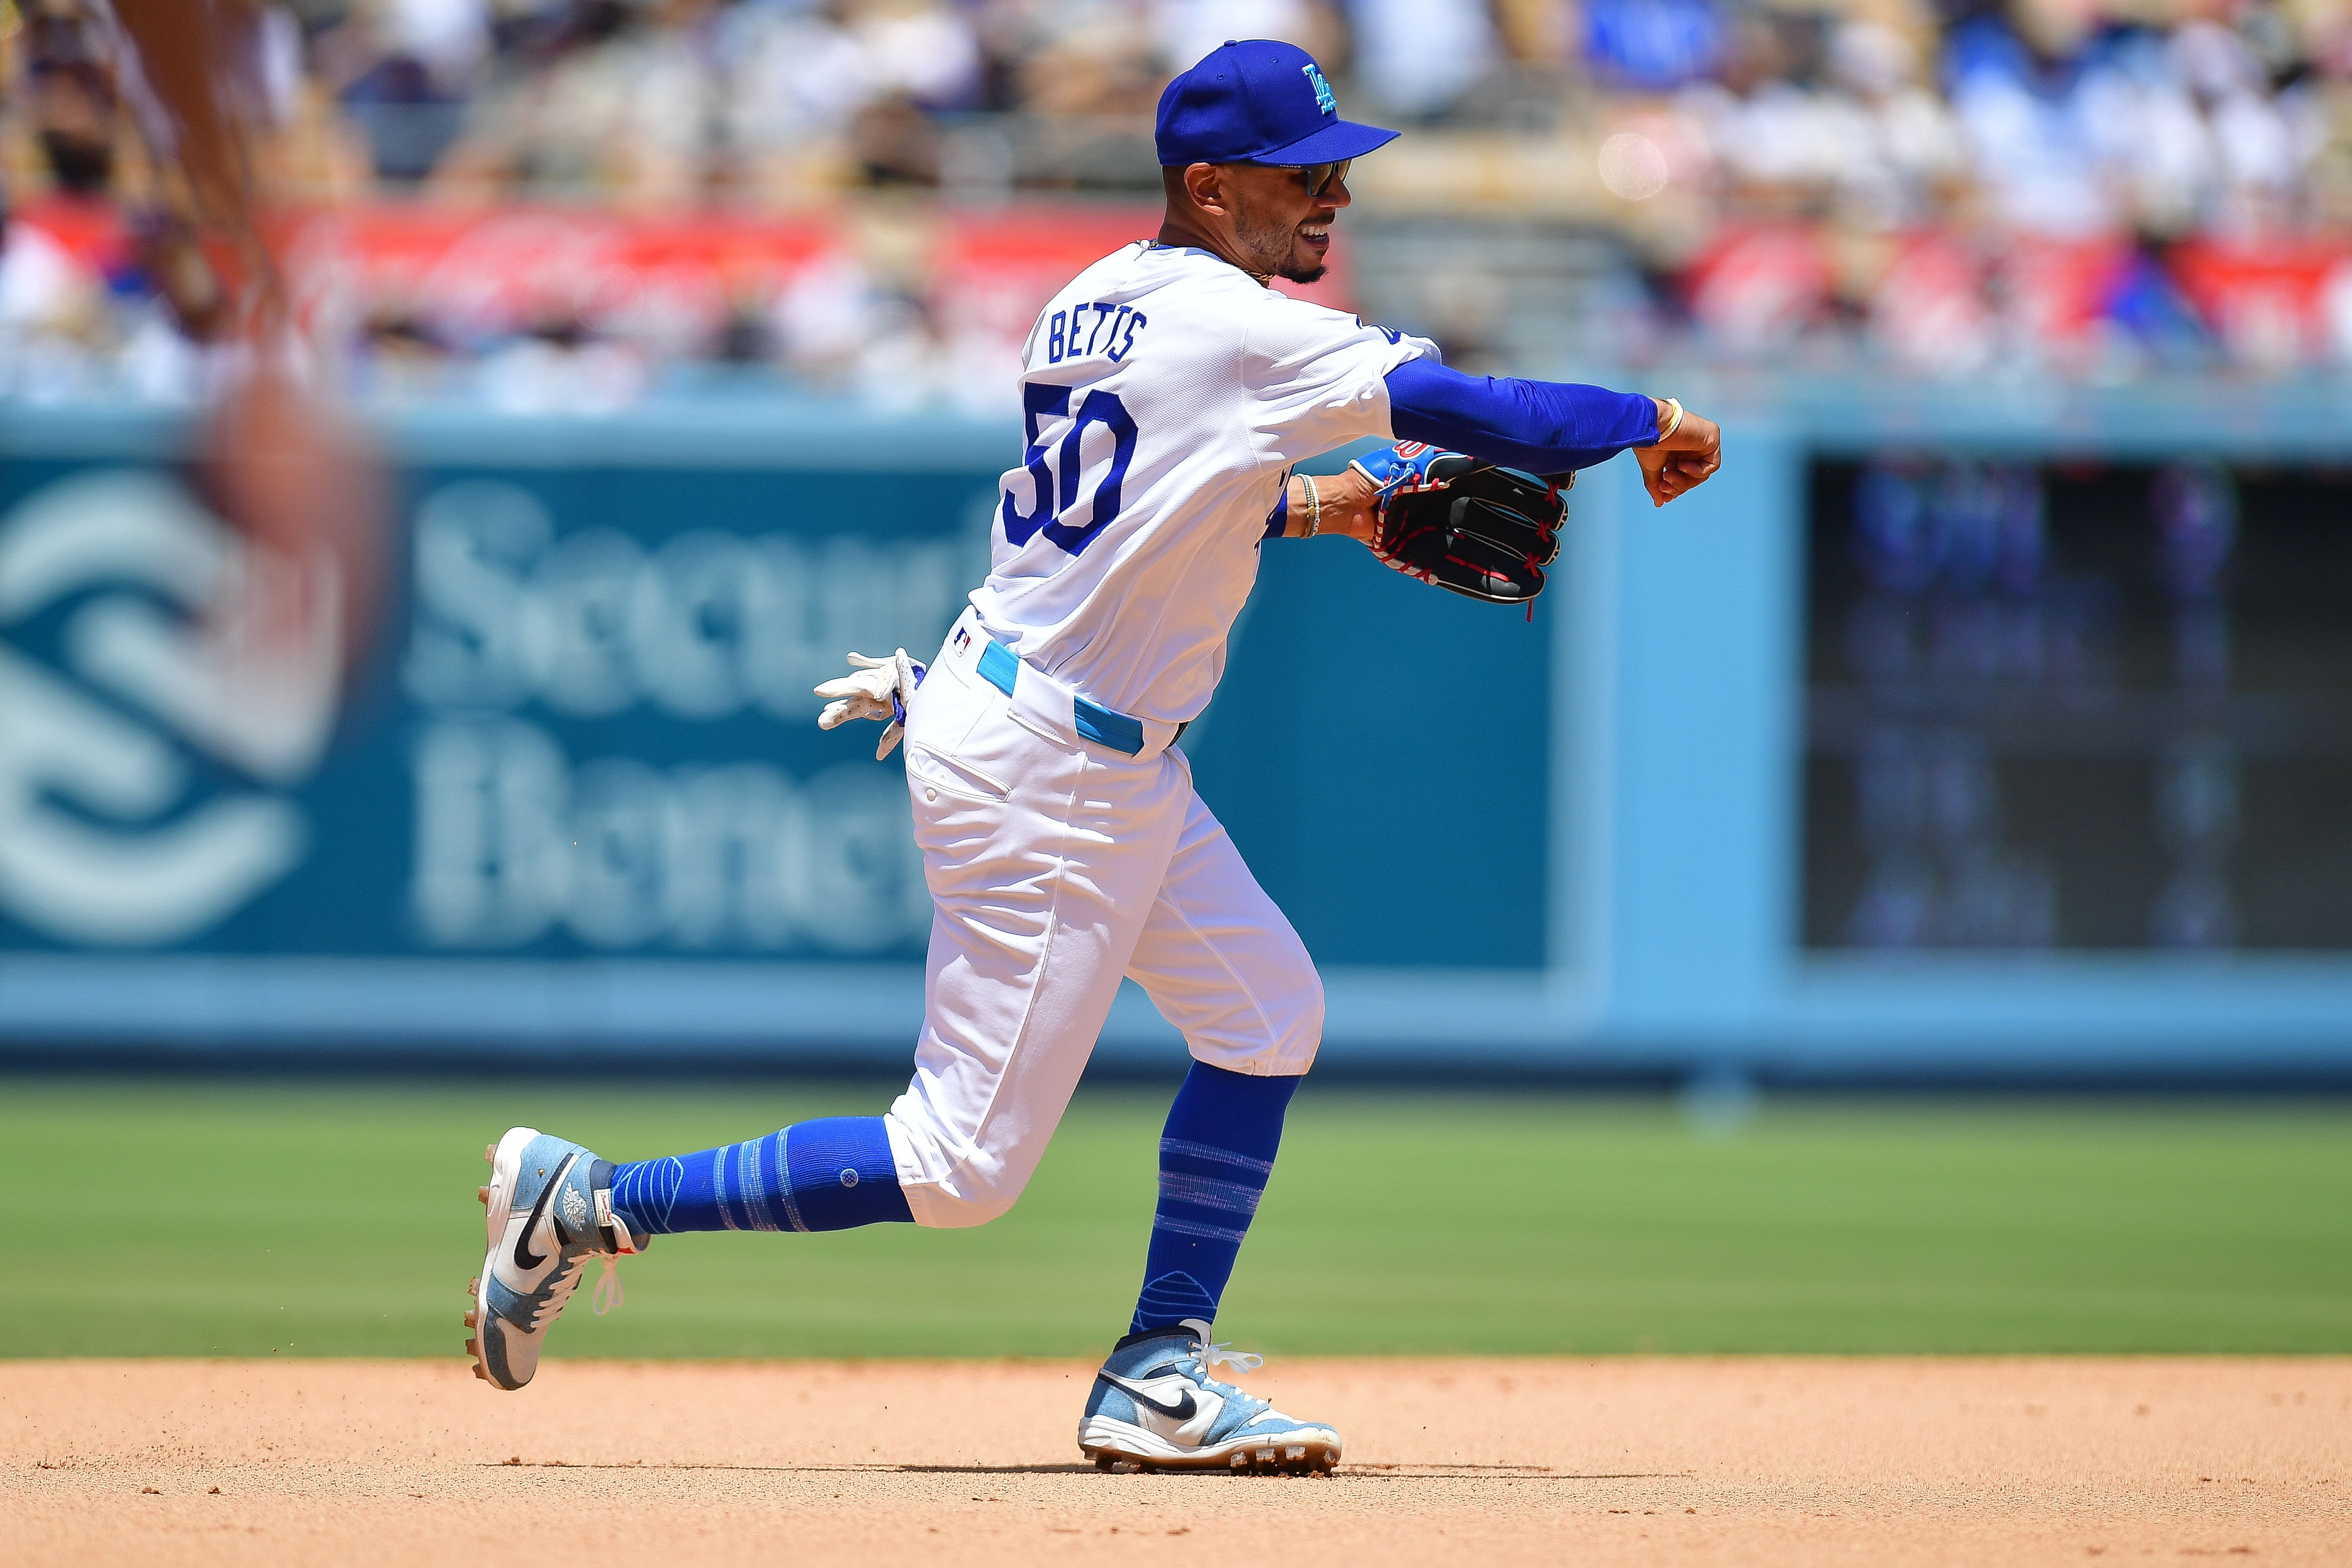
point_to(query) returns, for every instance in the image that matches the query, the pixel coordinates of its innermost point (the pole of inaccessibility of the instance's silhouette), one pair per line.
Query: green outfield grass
(236, 1219)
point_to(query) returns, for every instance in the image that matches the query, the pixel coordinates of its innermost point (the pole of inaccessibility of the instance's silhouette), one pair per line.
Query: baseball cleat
(1155, 1404)
(550, 1209)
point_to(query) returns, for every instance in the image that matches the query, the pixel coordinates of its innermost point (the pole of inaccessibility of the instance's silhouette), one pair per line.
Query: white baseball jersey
(1166, 396)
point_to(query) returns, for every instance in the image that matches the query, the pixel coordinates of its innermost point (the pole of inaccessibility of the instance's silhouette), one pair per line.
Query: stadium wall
(580, 799)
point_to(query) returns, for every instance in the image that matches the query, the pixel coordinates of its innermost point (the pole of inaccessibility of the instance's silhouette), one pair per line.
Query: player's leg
(1221, 961)
(1224, 965)
(1215, 1154)
(1038, 900)
(1034, 914)
(1042, 855)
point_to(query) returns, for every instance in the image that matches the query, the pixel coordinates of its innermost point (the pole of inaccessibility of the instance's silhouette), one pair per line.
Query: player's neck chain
(1265, 279)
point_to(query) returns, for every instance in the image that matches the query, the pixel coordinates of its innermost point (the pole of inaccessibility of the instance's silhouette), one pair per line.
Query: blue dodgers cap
(1257, 101)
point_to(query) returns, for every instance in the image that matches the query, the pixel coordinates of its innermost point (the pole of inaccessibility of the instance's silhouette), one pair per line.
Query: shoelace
(610, 1291)
(1209, 1357)
(1214, 1356)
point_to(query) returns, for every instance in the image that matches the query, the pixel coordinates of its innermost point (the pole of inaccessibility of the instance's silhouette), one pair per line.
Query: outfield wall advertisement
(576, 789)
(586, 738)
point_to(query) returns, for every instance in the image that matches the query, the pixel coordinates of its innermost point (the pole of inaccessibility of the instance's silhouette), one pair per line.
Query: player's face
(1281, 218)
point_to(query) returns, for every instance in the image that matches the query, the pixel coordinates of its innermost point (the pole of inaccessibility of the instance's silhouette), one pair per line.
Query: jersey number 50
(1052, 496)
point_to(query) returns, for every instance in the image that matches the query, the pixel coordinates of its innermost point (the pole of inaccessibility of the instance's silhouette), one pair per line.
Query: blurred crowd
(1943, 182)
(2063, 118)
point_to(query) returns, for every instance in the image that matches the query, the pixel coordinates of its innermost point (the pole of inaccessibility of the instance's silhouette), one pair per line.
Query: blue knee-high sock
(1214, 1157)
(814, 1175)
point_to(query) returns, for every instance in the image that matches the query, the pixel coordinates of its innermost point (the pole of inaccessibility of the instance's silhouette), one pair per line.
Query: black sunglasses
(1319, 177)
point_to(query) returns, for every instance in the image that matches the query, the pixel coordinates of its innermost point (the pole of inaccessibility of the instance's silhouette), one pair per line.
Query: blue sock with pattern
(1214, 1157)
(829, 1174)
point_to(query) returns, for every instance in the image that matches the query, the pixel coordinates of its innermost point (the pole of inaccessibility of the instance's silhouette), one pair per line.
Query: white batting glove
(880, 689)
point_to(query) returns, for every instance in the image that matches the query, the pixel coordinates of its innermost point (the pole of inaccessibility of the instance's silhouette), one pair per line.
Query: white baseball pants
(1055, 865)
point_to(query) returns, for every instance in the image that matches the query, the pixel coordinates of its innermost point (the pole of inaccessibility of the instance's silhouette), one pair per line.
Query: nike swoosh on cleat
(526, 1259)
(1185, 1409)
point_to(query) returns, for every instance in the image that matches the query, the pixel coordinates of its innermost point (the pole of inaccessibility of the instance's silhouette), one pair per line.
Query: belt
(1042, 697)
(1001, 669)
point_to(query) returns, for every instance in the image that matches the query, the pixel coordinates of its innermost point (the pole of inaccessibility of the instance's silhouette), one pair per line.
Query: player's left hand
(1683, 461)
(1454, 521)
(880, 689)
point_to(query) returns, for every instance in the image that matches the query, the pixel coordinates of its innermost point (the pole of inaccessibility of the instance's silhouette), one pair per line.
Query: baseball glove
(1462, 524)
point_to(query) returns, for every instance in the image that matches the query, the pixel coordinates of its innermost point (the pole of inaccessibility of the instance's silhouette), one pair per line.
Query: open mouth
(1316, 234)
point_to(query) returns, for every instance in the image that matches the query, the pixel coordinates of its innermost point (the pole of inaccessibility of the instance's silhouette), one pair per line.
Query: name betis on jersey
(1065, 330)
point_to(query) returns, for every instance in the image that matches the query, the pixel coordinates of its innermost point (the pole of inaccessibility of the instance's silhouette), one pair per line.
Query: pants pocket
(935, 773)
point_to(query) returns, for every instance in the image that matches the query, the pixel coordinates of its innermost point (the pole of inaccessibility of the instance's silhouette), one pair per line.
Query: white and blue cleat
(1155, 1404)
(551, 1210)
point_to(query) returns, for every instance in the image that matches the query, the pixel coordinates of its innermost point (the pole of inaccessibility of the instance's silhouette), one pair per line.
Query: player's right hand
(880, 688)
(1683, 461)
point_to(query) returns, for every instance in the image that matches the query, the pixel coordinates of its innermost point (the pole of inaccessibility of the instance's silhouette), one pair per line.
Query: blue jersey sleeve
(1542, 426)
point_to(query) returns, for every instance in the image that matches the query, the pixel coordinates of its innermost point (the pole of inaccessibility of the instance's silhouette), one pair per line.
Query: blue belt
(1000, 669)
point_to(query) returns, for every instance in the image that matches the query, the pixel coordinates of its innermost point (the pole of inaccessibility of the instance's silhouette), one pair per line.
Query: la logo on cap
(1323, 98)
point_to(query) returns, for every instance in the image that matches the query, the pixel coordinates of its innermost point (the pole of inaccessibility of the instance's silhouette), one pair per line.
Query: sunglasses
(1319, 177)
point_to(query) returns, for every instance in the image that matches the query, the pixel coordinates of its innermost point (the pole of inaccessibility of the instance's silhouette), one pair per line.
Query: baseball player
(1168, 392)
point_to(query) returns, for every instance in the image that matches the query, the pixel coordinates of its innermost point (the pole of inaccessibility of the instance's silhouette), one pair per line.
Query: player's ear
(1205, 184)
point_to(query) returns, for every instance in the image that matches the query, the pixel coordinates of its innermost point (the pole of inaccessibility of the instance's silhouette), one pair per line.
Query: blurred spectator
(402, 71)
(799, 77)
(448, 39)
(1652, 45)
(2151, 320)
(563, 370)
(52, 314)
(851, 84)
(1419, 57)
(827, 315)
(1906, 165)
(71, 92)
(407, 119)
(617, 97)
(2033, 147)
(399, 358)
(1811, 117)
(1072, 57)
(560, 367)
(917, 50)
(1187, 29)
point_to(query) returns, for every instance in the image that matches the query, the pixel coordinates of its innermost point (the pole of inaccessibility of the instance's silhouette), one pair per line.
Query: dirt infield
(1656, 1462)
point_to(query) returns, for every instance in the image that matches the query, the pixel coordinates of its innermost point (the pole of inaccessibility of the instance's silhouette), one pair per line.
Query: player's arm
(1540, 426)
(1551, 427)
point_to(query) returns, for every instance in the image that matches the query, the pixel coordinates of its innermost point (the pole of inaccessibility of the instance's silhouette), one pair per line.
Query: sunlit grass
(238, 1219)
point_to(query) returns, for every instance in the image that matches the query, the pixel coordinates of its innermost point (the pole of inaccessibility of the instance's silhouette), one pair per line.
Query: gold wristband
(1675, 423)
(1314, 506)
